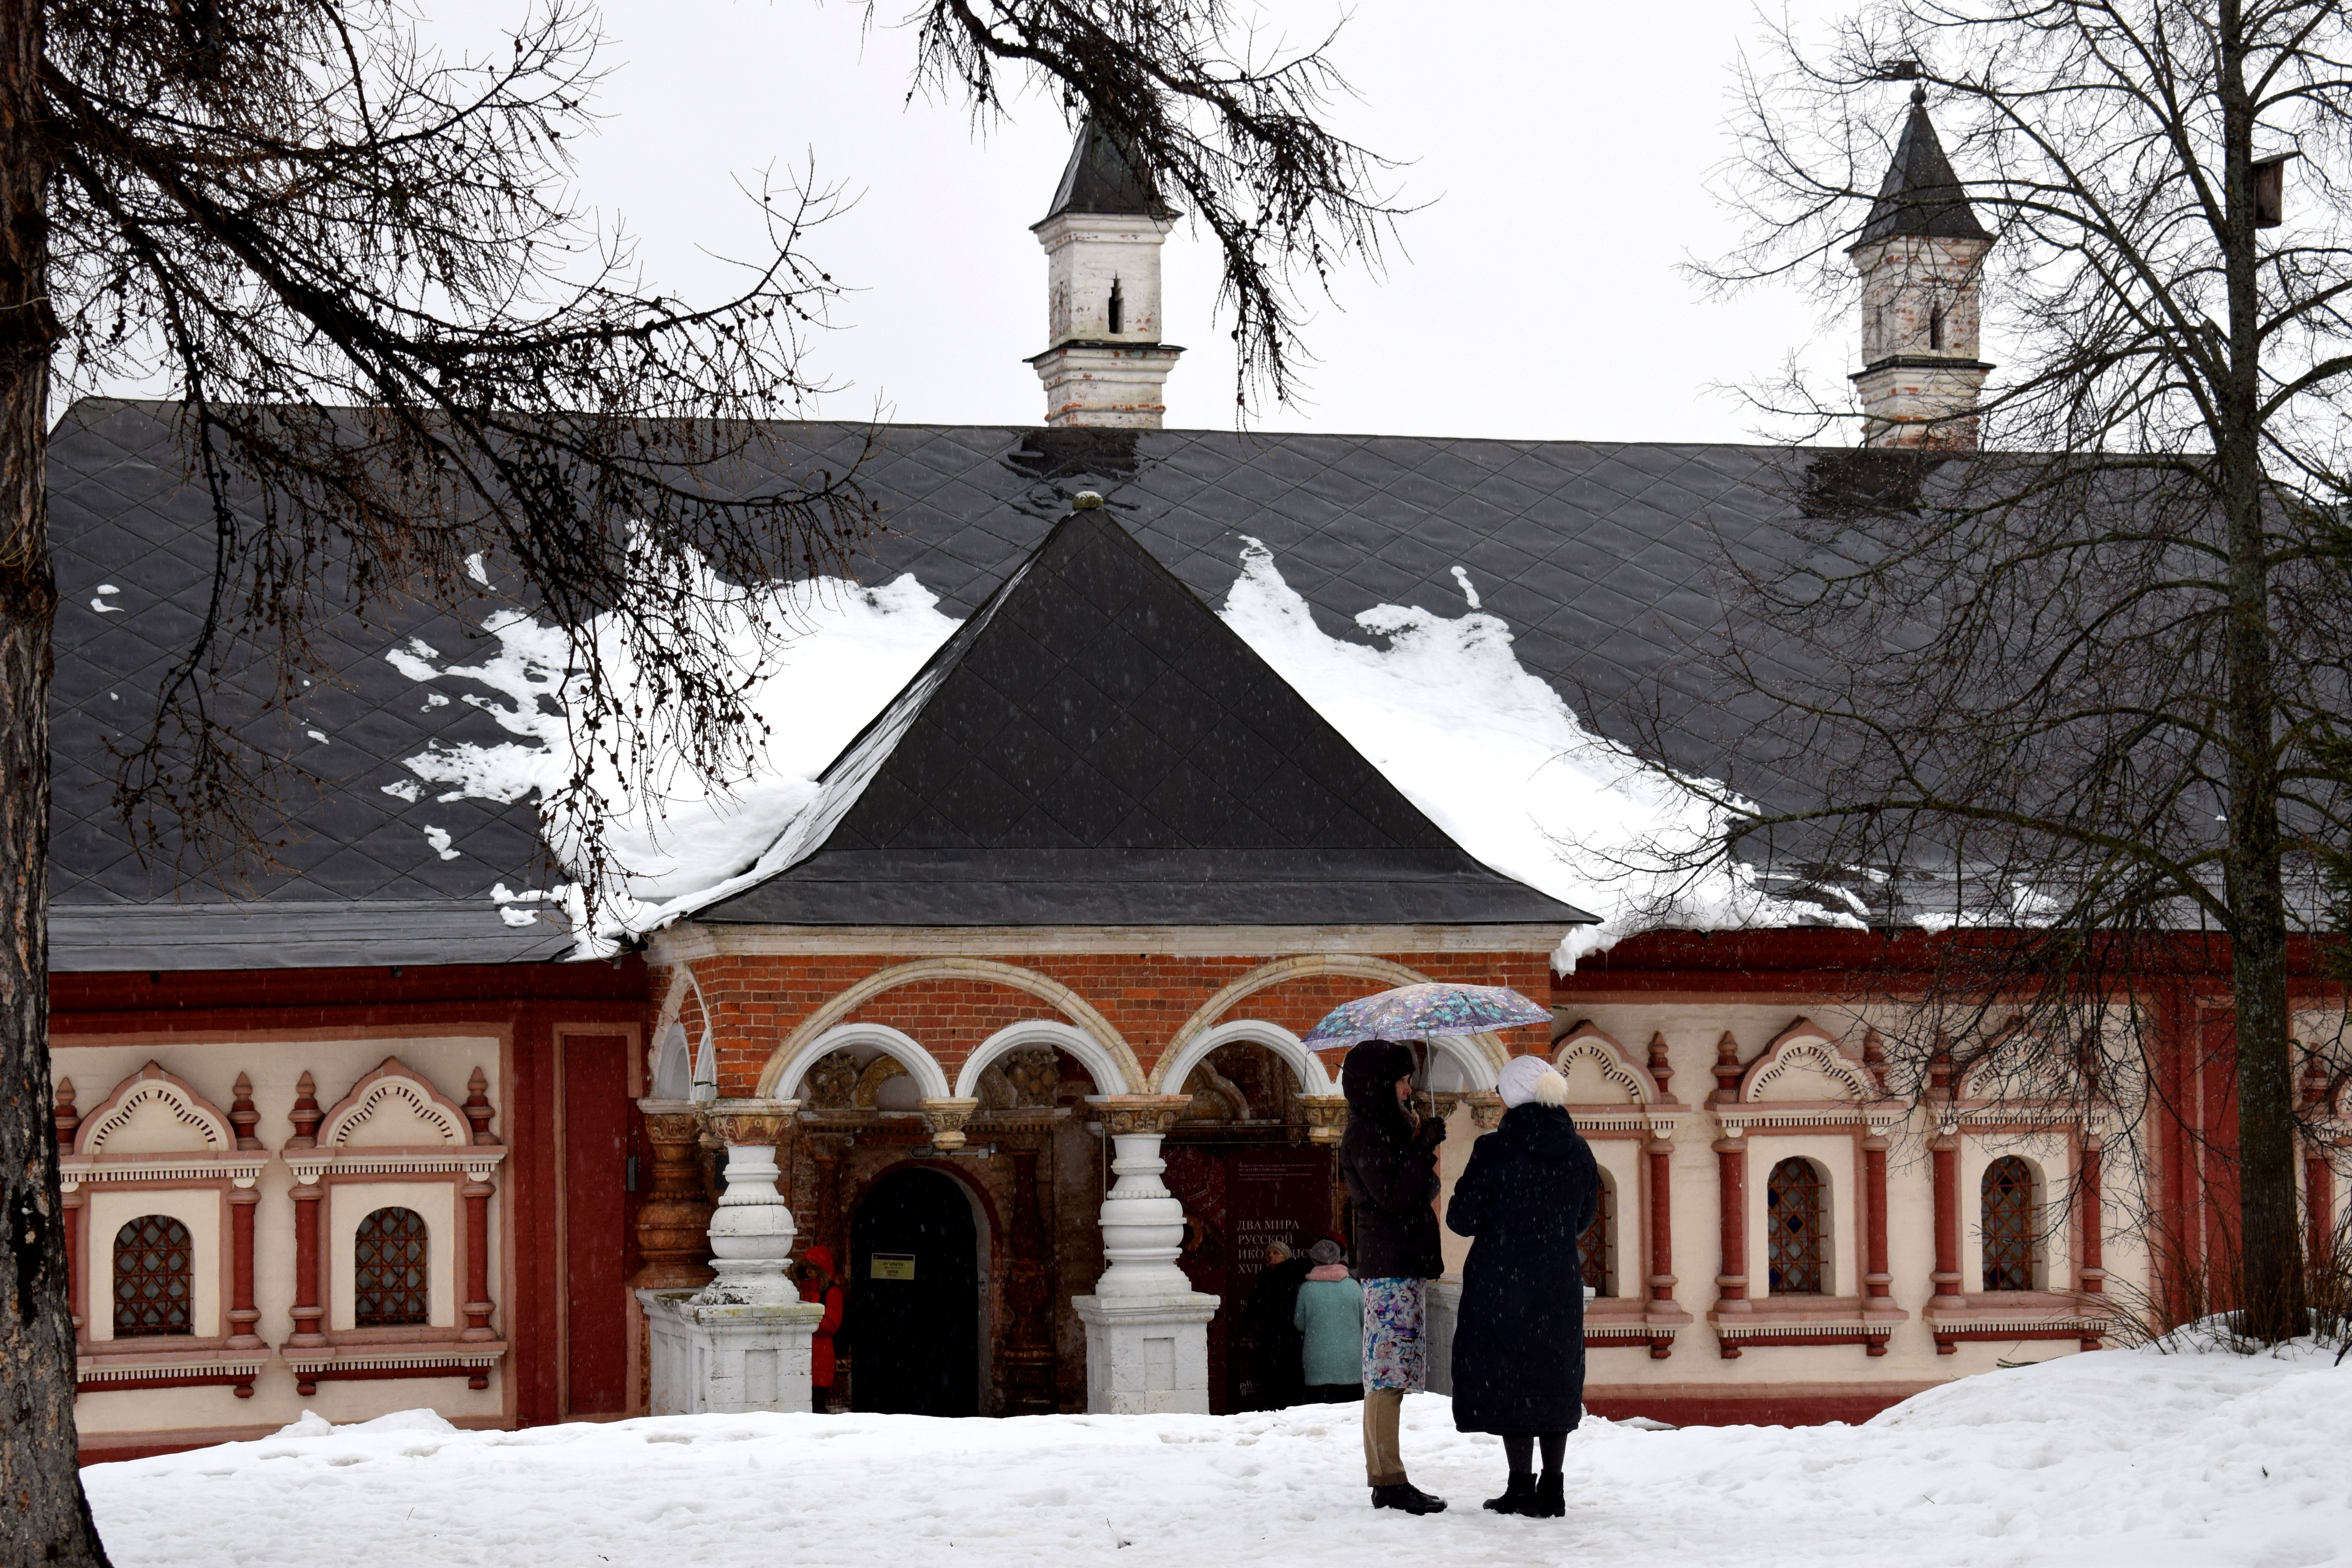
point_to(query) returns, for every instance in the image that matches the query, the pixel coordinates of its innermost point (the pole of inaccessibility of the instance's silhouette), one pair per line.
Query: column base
(1146, 1356)
(726, 1360)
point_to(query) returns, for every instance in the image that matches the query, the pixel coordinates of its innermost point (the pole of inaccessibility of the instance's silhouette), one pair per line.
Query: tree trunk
(43, 1516)
(2271, 1286)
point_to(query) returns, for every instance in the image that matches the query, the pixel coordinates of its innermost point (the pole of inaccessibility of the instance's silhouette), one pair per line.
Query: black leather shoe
(1516, 1496)
(1549, 1501)
(1408, 1499)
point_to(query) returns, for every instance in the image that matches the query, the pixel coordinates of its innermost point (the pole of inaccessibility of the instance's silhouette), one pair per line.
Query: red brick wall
(758, 1001)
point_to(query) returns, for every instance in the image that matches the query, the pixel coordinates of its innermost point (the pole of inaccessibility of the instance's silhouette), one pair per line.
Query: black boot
(1549, 1501)
(1516, 1496)
(1407, 1498)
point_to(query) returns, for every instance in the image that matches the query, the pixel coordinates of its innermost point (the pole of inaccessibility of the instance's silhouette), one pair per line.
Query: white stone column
(1146, 1328)
(742, 1341)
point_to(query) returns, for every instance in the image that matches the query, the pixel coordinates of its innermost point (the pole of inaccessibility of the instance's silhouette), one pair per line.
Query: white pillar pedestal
(1146, 1328)
(742, 1341)
(1146, 1356)
(725, 1359)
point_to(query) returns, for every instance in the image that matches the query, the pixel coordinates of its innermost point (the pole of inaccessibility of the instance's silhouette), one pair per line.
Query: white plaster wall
(210, 1066)
(106, 1213)
(1084, 253)
(349, 1203)
(1691, 1029)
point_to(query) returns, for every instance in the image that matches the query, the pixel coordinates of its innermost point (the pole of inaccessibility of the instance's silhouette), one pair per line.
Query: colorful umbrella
(1417, 1012)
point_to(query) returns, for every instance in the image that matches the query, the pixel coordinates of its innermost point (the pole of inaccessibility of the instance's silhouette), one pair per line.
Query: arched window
(154, 1277)
(1796, 1225)
(2009, 1225)
(388, 1266)
(1599, 1242)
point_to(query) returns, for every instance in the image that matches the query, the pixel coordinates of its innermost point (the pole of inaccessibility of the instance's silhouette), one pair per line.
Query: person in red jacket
(817, 1284)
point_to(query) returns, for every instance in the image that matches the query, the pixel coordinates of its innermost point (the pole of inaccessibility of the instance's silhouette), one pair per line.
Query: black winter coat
(1530, 1189)
(1391, 1173)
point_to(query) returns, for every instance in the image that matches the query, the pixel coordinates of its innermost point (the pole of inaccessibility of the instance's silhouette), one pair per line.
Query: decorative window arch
(900, 1048)
(2010, 1223)
(1307, 1067)
(674, 1066)
(392, 1196)
(1597, 1248)
(1796, 1211)
(392, 1270)
(154, 1277)
(1109, 1077)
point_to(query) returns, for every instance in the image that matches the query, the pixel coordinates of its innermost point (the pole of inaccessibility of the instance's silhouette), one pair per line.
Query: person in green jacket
(1331, 1318)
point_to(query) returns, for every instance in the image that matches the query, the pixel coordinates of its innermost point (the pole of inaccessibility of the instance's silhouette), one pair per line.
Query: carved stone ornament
(1485, 1108)
(946, 1118)
(1127, 1114)
(742, 1122)
(1327, 1116)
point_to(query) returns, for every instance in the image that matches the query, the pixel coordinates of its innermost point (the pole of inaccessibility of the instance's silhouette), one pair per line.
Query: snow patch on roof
(1495, 756)
(675, 842)
(1444, 708)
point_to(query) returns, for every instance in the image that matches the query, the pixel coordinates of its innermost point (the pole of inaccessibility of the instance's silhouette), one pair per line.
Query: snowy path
(2121, 1458)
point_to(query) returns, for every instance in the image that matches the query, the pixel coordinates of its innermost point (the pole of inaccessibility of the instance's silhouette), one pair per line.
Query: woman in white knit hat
(1529, 1192)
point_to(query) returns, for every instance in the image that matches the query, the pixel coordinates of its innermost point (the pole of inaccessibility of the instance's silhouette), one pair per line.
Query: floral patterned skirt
(1396, 1353)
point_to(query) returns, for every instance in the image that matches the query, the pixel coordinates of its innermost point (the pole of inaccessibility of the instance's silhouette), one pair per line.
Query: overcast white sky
(1564, 151)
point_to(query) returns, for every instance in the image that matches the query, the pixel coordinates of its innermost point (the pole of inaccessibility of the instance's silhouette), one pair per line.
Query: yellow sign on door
(894, 1265)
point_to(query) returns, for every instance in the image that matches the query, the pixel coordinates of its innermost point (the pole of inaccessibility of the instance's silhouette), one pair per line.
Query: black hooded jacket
(1530, 1189)
(1391, 1173)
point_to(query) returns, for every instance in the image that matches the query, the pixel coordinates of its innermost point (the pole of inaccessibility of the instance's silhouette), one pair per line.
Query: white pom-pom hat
(1532, 1081)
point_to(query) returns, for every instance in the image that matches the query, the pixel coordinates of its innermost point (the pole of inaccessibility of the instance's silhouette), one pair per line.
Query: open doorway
(914, 1298)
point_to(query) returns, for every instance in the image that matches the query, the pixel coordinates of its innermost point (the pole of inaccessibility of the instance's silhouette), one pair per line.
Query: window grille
(1595, 1244)
(2009, 1225)
(154, 1277)
(389, 1263)
(1792, 1203)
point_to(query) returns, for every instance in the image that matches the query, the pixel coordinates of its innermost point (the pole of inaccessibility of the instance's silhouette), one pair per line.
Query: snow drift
(2112, 1459)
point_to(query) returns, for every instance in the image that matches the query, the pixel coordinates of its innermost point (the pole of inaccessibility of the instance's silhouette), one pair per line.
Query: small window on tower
(1117, 308)
(1936, 328)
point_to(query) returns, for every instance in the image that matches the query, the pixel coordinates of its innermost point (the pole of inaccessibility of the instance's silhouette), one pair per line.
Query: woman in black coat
(1530, 1189)
(1391, 1164)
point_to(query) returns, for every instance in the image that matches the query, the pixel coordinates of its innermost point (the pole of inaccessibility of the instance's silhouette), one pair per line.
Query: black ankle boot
(1408, 1499)
(1516, 1496)
(1550, 1500)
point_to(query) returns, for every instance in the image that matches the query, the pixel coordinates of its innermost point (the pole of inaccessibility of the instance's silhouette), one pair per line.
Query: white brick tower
(1919, 256)
(1102, 237)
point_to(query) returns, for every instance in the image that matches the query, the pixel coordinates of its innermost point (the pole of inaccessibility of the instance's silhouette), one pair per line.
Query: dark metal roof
(1094, 747)
(1602, 558)
(1921, 195)
(1101, 178)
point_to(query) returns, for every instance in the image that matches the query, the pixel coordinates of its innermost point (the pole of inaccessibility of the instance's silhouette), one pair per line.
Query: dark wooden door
(595, 1224)
(1235, 1201)
(912, 1318)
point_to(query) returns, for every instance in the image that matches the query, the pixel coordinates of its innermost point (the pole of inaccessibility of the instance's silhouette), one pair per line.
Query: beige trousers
(1383, 1465)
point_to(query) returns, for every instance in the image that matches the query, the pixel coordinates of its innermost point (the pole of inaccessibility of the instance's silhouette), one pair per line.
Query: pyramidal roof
(1920, 194)
(1096, 747)
(1101, 178)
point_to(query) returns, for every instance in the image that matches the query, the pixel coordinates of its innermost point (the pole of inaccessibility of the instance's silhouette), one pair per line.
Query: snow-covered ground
(2123, 1458)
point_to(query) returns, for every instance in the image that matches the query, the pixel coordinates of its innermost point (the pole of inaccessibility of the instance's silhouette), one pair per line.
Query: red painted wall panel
(595, 1222)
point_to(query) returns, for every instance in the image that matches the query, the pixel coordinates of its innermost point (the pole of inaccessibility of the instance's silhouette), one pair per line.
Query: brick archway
(803, 1040)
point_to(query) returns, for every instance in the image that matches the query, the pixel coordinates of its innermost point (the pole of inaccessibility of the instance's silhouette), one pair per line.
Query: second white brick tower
(1920, 257)
(1107, 366)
